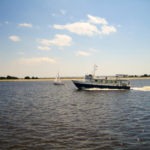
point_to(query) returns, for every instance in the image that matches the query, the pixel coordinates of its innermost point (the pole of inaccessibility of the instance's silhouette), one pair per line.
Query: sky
(43, 37)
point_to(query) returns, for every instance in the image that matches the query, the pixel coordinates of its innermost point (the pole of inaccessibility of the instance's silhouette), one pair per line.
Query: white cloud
(108, 29)
(59, 40)
(44, 48)
(97, 20)
(80, 28)
(27, 25)
(83, 53)
(14, 38)
(93, 26)
(36, 60)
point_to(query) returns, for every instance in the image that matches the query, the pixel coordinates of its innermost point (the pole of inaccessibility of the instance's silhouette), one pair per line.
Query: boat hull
(85, 85)
(58, 83)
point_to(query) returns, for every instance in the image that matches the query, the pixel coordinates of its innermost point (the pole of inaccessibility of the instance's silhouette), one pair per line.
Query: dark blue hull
(83, 85)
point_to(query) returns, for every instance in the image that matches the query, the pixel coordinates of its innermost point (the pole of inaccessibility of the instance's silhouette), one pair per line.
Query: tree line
(13, 77)
(28, 77)
(144, 75)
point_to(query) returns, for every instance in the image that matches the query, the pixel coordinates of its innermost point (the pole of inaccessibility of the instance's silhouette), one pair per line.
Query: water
(39, 115)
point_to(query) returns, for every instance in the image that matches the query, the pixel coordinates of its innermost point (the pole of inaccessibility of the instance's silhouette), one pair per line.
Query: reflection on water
(39, 115)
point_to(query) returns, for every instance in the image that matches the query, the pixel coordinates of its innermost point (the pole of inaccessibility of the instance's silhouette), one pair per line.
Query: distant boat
(58, 81)
(92, 82)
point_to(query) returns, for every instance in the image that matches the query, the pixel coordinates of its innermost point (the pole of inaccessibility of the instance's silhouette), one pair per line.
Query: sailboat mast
(94, 70)
(57, 75)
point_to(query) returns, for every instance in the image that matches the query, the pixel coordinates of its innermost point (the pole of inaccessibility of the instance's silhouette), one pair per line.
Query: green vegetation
(14, 78)
(145, 75)
(9, 77)
(27, 77)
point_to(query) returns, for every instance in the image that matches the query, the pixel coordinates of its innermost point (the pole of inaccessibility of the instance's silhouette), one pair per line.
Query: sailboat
(58, 81)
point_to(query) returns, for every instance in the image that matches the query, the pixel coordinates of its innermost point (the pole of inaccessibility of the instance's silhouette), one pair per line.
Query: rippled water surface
(40, 115)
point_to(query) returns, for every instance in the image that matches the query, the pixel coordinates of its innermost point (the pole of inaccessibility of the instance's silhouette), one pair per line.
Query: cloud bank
(93, 26)
(60, 40)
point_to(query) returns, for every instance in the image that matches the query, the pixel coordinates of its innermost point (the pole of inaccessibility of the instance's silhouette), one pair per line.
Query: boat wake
(100, 89)
(144, 88)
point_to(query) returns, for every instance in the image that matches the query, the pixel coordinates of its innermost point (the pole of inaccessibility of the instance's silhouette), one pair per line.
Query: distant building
(121, 75)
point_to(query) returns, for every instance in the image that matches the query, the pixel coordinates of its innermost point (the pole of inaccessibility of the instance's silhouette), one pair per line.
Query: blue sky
(43, 37)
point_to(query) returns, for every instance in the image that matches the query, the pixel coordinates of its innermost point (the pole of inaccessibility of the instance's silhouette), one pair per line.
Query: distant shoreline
(69, 78)
(39, 79)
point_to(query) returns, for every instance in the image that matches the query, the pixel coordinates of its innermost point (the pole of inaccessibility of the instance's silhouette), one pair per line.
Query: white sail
(57, 80)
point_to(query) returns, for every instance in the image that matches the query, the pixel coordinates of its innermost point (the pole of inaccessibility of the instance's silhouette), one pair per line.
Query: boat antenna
(94, 70)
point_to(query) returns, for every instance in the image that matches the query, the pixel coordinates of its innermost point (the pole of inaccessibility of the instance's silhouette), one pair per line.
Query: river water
(40, 115)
